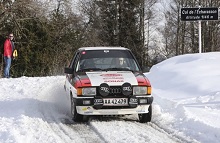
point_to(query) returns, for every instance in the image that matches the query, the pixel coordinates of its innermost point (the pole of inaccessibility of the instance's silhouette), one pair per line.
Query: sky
(186, 108)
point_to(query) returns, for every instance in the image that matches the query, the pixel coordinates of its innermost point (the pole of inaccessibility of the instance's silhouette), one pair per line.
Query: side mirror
(68, 70)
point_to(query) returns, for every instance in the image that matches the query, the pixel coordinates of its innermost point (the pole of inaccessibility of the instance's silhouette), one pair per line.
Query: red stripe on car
(143, 81)
(82, 83)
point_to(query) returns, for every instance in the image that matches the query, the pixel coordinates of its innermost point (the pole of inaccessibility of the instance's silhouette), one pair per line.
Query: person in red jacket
(8, 50)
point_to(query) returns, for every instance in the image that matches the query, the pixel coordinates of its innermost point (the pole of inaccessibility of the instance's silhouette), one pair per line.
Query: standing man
(8, 50)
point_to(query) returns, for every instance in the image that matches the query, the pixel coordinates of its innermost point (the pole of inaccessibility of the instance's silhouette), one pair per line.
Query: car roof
(102, 48)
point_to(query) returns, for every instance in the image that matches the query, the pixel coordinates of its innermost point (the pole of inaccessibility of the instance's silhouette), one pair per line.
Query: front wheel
(146, 117)
(77, 117)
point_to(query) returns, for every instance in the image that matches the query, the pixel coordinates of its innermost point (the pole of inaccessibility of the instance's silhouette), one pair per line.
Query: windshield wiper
(89, 69)
(117, 69)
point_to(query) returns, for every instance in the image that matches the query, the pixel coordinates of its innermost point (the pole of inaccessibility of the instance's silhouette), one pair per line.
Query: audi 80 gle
(107, 81)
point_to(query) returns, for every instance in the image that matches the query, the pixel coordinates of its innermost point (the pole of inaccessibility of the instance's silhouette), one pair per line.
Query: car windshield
(109, 60)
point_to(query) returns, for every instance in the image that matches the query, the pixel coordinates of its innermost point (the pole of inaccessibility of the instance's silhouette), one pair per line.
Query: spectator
(8, 50)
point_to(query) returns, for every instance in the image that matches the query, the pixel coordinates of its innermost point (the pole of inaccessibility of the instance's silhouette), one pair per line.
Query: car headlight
(141, 90)
(86, 91)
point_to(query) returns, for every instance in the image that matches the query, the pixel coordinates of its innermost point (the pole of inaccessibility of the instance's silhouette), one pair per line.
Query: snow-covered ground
(187, 95)
(186, 108)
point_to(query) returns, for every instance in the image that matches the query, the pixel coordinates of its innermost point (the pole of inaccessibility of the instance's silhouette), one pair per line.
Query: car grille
(115, 91)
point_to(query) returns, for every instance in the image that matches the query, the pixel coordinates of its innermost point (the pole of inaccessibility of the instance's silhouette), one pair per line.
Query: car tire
(146, 117)
(75, 116)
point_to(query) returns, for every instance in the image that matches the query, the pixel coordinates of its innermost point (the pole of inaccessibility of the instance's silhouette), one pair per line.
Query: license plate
(115, 101)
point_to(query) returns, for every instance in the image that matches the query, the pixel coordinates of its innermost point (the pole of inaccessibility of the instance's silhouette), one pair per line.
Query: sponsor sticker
(111, 75)
(111, 78)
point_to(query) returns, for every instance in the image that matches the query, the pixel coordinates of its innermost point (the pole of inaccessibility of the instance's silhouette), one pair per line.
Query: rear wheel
(77, 117)
(146, 117)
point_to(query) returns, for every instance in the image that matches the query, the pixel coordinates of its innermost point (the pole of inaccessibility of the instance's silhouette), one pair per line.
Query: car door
(70, 77)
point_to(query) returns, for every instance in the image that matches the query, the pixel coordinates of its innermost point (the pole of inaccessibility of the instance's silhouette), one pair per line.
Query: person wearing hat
(8, 51)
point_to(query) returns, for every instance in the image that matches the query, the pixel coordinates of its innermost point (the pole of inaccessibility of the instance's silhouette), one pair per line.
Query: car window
(75, 61)
(105, 59)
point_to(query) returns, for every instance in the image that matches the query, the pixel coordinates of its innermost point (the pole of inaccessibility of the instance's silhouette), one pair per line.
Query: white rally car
(107, 81)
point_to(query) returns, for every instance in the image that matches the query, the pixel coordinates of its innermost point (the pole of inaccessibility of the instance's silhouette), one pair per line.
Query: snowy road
(36, 110)
(185, 108)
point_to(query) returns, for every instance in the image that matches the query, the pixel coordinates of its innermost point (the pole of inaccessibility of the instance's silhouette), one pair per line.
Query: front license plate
(115, 101)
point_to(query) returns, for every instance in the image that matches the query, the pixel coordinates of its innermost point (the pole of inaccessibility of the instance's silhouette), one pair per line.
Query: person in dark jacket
(8, 50)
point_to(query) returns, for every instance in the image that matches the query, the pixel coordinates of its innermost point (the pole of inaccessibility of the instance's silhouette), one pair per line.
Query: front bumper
(87, 106)
(89, 110)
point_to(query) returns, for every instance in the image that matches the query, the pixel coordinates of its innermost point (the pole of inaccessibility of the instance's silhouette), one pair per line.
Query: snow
(186, 95)
(186, 108)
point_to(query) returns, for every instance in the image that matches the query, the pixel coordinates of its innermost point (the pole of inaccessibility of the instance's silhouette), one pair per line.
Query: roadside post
(199, 14)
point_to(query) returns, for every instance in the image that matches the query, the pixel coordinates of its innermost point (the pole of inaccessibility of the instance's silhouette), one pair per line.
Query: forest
(48, 32)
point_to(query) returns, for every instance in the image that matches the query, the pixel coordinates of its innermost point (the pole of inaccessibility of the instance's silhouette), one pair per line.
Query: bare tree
(185, 34)
(43, 37)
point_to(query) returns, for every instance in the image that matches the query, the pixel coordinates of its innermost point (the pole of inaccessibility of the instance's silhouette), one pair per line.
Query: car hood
(112, 78)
